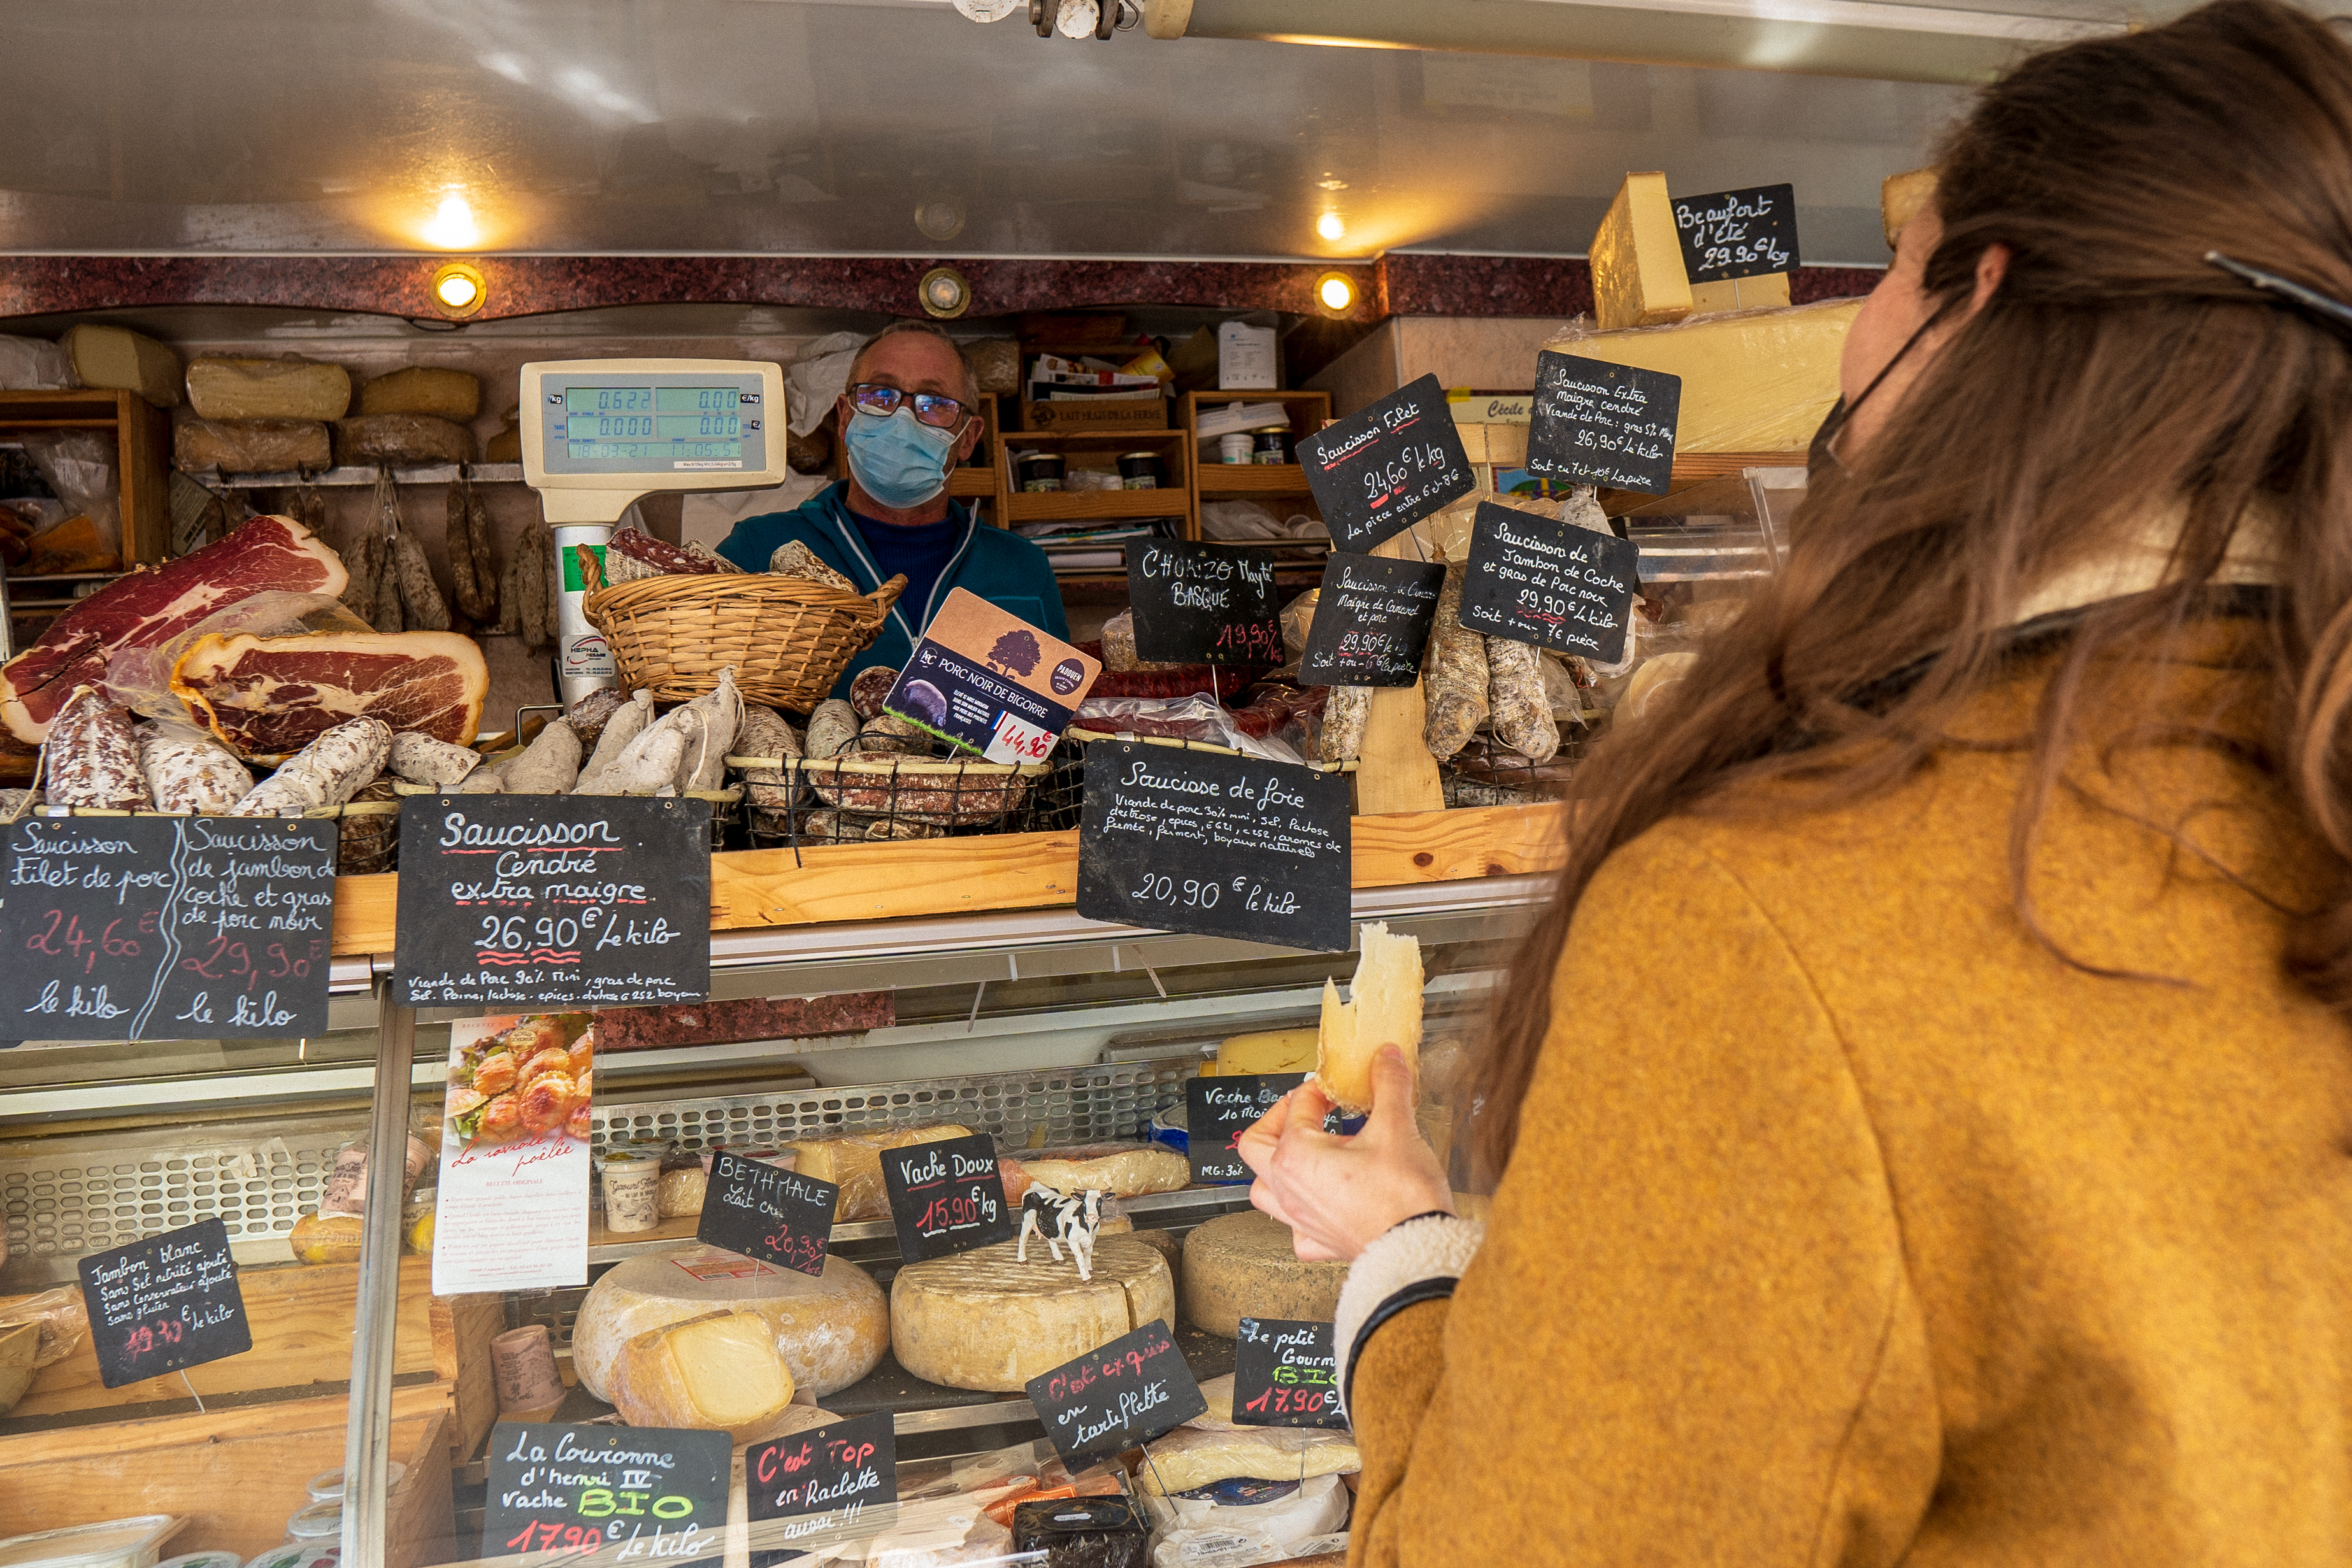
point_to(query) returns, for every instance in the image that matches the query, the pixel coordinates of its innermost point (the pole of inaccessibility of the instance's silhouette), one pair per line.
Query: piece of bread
(720, 1372)
(1383, 1008)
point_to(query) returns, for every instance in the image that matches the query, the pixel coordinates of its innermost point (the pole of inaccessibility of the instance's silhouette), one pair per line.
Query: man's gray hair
(970, 393)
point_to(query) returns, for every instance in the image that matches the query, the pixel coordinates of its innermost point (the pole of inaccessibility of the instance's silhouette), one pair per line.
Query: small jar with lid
(1271, 445)
(1141, 471)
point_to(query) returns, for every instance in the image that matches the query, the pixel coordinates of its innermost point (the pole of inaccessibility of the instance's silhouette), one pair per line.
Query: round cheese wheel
(983, 1320)
(1243, 1266)
(830, 1330)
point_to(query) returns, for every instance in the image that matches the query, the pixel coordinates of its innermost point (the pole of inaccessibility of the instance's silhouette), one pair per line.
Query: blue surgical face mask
(899, 460)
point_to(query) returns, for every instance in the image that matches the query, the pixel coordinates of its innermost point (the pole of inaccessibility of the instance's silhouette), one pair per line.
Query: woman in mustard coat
(1923, 1118)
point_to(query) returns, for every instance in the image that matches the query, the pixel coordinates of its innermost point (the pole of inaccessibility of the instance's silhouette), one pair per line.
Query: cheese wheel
(267, 389)
(1243, 1266)
(423, 389)
(982, 1320)
(121, 359)
(830, 1331)
(718, 1372)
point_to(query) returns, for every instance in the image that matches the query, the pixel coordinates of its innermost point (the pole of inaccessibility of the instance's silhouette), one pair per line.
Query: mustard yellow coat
(1850, 1226)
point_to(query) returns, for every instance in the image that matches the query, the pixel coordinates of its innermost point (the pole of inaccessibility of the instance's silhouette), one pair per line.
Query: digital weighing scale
(598, 434)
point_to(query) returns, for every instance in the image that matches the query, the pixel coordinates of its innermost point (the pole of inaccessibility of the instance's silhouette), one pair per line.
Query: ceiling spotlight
(460, 288)
(1336, 292)
(1331, 226)
(939, 220)
(452, 226)
(944, 292)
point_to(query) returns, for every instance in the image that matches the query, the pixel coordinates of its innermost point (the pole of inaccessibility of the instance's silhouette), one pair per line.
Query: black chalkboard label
(1218, 1110)
(1117, 1396)
(946, 1196)
(1203, 604)
(165, 1304)
(1224, 846)
(1371, 621)
(1384, 468)
(1285, 1375)
(765, 1212)
(1599, 424)
(649, 1493)
(166, 928)
(1541, 581)
(1738, 233)
(815, 1484)
(530, 902)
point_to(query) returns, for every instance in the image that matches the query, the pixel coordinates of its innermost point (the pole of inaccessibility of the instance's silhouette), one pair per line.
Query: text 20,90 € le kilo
(525, 902)
(167, 928)
(1223, 846)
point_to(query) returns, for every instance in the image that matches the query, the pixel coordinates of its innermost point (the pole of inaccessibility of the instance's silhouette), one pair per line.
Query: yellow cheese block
(718, 1372)
(423, 389)
(1275, 1051)
(1637, 258)
(119, 359)
(1900, 197)
(1740, 293)
(238, 388)
(1760, 380)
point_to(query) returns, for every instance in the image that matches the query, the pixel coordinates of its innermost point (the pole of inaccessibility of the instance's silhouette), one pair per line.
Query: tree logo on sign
(1015, 653)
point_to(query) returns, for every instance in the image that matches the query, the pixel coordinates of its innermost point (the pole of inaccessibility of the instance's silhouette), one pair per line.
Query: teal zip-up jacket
(1000, 566)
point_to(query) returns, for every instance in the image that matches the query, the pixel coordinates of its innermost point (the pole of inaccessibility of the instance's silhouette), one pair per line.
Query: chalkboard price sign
(166, 928)
(1541, 581)
(1371, 621)
(525, 902)
(1383, 469)
(946, 1196)
(1218, 1110)
(762, 1211)
(815, 1484)
(1224, 846)
(1738, 233)
(651, 1494)
(1203, 604)
(165, 1304)
(1285, 1375)
(1117, 1396)
(1599, 424)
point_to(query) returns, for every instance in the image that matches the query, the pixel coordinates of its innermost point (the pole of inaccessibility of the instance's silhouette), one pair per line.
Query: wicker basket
(787, 638)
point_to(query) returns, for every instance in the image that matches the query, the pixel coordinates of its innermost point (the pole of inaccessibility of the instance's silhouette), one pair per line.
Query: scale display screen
(622, 423)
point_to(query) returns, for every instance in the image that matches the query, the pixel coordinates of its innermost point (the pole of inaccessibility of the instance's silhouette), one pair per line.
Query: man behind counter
(909, 413)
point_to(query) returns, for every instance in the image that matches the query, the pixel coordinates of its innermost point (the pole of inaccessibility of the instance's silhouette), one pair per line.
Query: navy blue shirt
(922, 551)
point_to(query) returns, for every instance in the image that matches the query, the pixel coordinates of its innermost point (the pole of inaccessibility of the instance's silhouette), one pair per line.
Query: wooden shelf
(143, 454)
(1062, 506)
(968, 484)
(1223, 480)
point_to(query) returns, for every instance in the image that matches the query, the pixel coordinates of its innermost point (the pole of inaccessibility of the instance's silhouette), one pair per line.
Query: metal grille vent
(1066, 1106)
(73, 1202)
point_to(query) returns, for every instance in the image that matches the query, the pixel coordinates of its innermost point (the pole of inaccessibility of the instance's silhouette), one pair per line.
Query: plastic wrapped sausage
(1515, 694)
(1454, 673)
(326, 772)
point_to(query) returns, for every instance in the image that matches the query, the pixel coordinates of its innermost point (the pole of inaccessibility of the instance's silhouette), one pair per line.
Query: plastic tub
(204, 1560)
(327, 1486)
(133, 1542)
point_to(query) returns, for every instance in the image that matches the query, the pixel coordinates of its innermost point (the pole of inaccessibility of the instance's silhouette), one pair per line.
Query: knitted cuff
(1416, 1261)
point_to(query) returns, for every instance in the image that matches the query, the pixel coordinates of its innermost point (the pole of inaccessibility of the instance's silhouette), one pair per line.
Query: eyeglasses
(930, 408)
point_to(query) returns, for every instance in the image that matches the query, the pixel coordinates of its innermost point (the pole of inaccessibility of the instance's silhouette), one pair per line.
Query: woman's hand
(1335, 1194)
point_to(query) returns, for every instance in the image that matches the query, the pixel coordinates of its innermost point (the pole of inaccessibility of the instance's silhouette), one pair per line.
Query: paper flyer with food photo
(514, 1210)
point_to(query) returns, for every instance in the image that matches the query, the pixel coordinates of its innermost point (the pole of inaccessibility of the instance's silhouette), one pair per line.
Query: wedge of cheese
(1760, 380)
(267, 389)
(1270, 1051)
(1900, 197)
(718, 1372)
(831, 1330)
(1383, 1008)
(985, 1320)
(119, 359)
(854, 1163)
(1637, 258)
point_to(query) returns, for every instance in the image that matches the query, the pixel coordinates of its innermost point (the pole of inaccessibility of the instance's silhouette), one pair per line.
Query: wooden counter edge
(835, 883)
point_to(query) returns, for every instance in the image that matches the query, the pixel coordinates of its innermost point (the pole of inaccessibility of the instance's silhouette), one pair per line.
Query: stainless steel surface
(726, 127)
(367, 1441)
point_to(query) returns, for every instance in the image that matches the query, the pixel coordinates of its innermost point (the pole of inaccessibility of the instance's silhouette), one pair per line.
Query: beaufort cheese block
(1274, 1050)
(1244, 1266)
(424, 389)
(718, 1372)
(250, 445)
(1769, 291)
(267, 389)
(119, 359)
(854, 1163)
(1637, 258)
(1383, 1008)
(830, 1330)
(983, 1320)
(1760, 380)
(1125, 1171)
(1900, 197)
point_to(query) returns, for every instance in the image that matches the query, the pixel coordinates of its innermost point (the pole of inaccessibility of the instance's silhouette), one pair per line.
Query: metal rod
(367, 1439)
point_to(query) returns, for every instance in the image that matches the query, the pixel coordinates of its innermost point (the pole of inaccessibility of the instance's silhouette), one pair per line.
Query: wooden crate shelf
(1220, 481)
(1059, 505)
(143, 454)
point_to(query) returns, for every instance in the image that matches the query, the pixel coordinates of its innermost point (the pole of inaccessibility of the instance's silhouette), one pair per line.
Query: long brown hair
(2115, 375)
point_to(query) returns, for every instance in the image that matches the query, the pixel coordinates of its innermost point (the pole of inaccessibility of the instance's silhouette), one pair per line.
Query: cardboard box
(1089, 414)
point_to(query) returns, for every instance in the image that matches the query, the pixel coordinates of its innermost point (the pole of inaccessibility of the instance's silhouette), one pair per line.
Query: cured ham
(148, 608)
(268, 696)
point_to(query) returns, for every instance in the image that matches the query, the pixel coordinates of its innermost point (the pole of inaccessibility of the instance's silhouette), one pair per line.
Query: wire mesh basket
(1485, 772)
(885, 786)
